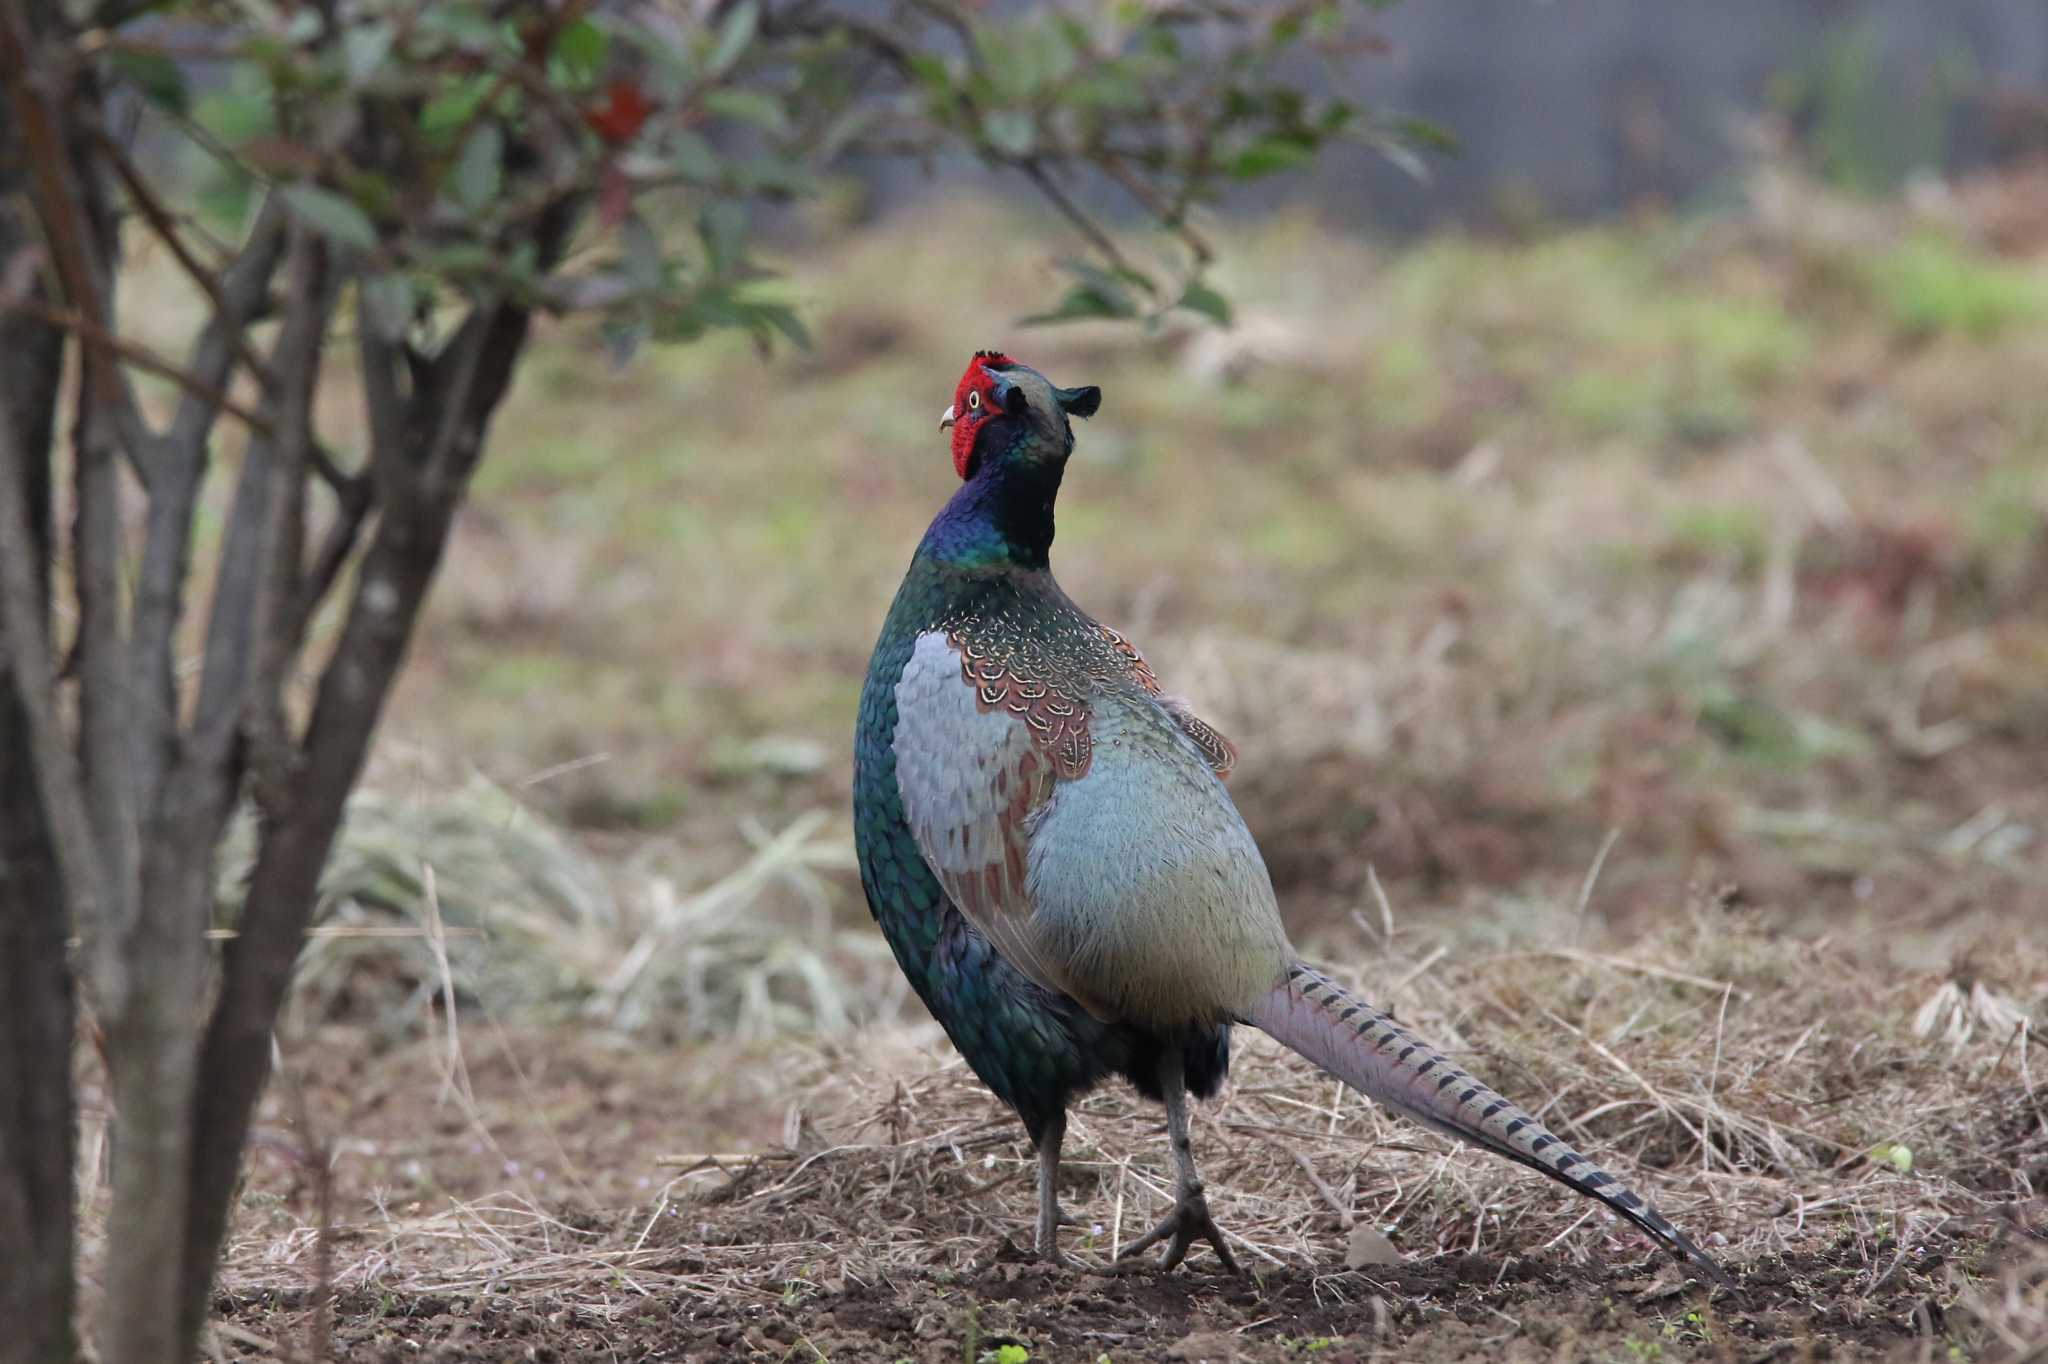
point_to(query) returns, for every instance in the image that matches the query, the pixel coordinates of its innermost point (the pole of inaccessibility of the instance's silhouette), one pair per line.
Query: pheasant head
(1006, 412)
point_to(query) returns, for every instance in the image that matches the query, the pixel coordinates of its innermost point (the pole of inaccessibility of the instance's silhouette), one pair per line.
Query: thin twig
(1592, 879)
(66, 231)
(160, 219)
(1345, 1216)
(134, 353)
(1074, 213)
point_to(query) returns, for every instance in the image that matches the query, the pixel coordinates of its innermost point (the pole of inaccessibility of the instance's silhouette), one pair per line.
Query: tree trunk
(37, 1121)
(436, 439)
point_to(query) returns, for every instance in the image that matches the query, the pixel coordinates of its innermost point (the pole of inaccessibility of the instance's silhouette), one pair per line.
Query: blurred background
(1638, 516)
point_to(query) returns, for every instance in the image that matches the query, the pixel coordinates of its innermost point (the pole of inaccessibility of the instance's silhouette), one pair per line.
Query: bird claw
(1180, 1229)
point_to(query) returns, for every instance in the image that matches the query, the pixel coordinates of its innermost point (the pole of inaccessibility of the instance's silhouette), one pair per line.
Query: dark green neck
(1003, 514)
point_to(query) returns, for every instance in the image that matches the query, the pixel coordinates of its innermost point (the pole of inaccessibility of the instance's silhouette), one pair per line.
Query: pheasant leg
(1189, 1221)
(1050, 1218)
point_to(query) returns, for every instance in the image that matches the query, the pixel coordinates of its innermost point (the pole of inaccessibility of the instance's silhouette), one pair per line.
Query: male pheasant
(1047, 844)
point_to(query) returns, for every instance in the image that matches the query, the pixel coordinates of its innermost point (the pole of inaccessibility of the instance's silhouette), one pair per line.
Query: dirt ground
(1818, 1304)
(561, 1194)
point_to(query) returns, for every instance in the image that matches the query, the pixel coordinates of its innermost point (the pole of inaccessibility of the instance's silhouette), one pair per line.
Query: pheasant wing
(974, 780)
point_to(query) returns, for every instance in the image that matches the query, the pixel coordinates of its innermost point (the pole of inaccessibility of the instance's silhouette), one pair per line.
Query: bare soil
(569, 1196)
(1817, 1304)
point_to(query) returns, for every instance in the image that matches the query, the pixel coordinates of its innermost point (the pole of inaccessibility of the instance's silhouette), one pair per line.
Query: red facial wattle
(973, 402)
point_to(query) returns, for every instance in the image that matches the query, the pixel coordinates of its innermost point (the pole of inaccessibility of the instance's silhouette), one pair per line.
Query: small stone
(1369, 1246)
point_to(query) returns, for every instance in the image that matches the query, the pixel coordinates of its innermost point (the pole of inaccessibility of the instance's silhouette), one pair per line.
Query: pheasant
(1046, 842)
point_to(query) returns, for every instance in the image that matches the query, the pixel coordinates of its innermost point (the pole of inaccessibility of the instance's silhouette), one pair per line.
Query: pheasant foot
(1188, 1223)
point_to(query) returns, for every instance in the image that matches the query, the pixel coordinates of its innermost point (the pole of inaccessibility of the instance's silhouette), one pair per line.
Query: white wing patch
(973, 785)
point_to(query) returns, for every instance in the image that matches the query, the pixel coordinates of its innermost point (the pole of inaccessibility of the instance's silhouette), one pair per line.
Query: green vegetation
(1614, 527)
(1931, 285)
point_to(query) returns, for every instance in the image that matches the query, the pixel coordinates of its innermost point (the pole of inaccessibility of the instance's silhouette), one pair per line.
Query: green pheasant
(1048, 846)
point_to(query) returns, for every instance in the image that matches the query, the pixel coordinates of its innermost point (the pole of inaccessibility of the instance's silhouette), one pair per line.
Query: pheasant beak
(946, 418)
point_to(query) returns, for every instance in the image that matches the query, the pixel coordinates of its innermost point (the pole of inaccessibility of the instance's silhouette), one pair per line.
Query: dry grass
(470, 886)
(1875, 1139)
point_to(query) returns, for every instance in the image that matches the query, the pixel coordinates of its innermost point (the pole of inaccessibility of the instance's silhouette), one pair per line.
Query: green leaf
(480, 170)
(246, 109)
(580, 49)
(156, 75)
(1110, 283)
(723, 227)
(843, 131)
(1010, 130)
(735, 35)
(1269, 155)
(641, 258)
(459, 260)
(332, 216)
(757, 107)
(365, 49)
(931, 70)
(691, 156)
(1200, 298)
(773, 175)
(453, 107)
(388, 299)
(1083, 301)
(780, 317)
(1425, 134)
(1137, 279)
(303, 27)
(463, 26)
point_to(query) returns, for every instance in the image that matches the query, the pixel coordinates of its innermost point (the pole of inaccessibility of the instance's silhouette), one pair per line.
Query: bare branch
(383, 405)
(160, 219)
(172, 504)
(38, 1018)
(245, 291)
(397, 570)
(1169, 215)
(28, 654)
(456, 431)
(243, 672)
(1074, 213)
(335, 547)
(956, 21)
(134, 353)
(66, 233)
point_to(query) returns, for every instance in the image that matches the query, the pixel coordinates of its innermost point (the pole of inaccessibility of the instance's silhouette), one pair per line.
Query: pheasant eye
(973, 399)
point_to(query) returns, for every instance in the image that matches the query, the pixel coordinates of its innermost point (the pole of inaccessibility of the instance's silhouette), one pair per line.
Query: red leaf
(619, 119)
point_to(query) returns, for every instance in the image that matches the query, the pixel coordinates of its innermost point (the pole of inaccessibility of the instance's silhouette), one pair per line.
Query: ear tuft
(1080, 402)
(1014, 401)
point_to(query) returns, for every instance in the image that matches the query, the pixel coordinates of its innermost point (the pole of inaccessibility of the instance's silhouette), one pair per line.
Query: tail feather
(1361, 1046)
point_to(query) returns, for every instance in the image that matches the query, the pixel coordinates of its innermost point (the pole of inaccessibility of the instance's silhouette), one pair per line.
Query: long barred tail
(1376, 1056)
